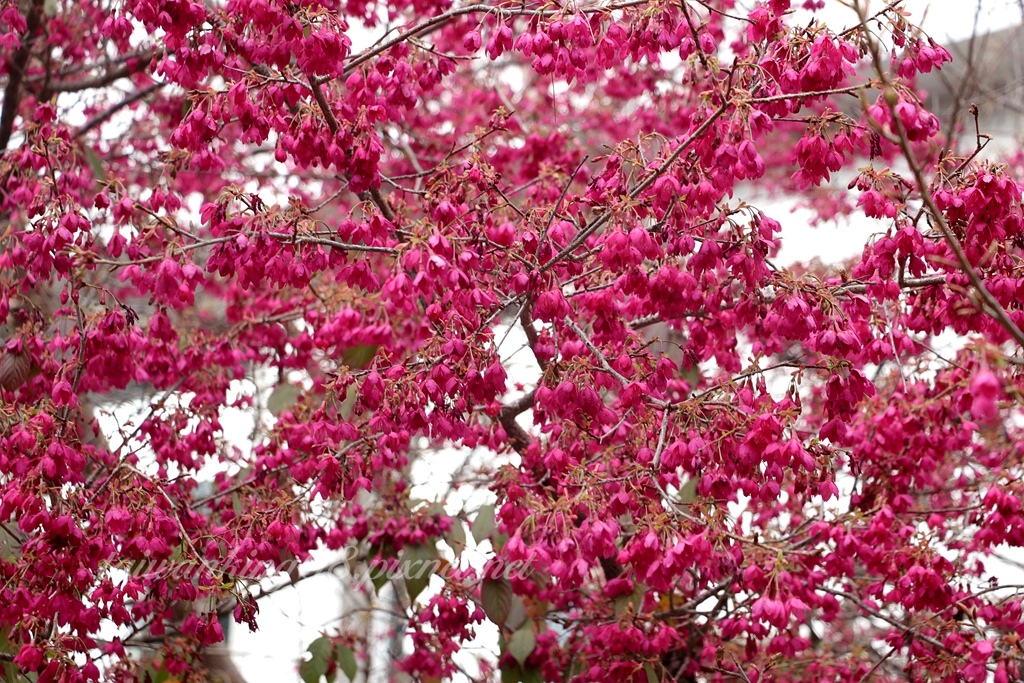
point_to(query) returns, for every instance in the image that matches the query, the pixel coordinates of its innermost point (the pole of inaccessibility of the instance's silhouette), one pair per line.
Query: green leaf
(496, 599)
(456, 537)
(153, 674)
(516, 613)
(282, 398)
(95, 164)
(346, 659)
(321, 648)
(379, 576)
(510, 674)
(484, 524)
(418, 565)
(531, 675)
(522, 643)
(688, 492)
(621, 603)
(576, 669)
(358, 357)
(652, 677)
(692, 376)
(638, 597)
(10, 670)
(634, 599)
(312, 669)
(348, 403)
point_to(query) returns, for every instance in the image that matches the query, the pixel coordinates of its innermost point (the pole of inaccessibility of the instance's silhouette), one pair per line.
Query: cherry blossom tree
(730, 468)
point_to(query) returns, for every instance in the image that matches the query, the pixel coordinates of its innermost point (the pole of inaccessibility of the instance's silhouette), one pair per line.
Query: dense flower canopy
(729, 469)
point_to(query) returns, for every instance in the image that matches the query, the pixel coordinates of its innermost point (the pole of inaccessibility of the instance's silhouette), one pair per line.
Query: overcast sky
(943, 19)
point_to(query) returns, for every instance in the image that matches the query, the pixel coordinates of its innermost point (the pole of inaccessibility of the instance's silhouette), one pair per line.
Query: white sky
(943, 19)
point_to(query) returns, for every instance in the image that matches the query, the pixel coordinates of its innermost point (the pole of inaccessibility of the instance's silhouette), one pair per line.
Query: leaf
(621, 603)
(688, 492)
(652, 677)
(282, 398)
(95, 164)
(634, 599)
(312, 669)
(358, 357)
(496, 599)
(531, 675)
(516, 613)
(692, 376)
(418, 564)
(10, 670)
(152, 673)
(522, 643)
(346, 660)
(510, 674)
(379, 576)
(576, 669)
(638, 598)
(348, 404)
(484, 524)
(456, 537)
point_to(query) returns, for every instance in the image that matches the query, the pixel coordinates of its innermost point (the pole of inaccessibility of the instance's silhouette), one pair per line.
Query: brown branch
(532, 338)
(990, 306)
(325, 106)
(968, 80)
(605, 365)
(518, 438)
(598, 222)
(907, 629)
(440, 20)
(105, 115)
(16, 69)
(849, 90)
(372, 195)
(908, 283)
(334, 243)
(693, 33)
(129, 68)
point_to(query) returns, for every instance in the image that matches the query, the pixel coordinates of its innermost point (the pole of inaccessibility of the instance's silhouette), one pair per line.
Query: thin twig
(16, 67)
(598, 222)
(113, 109)
(990, 306)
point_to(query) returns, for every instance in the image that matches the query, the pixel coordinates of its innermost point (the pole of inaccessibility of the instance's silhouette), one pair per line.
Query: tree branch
(16, 73)
(132, 66)
(518, 438)
(372, 195)
(994, 308)
(105, 115)
(594, 225)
